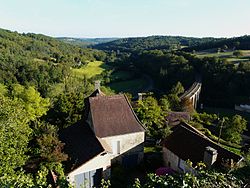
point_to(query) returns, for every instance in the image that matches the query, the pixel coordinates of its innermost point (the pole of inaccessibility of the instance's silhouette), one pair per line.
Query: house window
(116, 147)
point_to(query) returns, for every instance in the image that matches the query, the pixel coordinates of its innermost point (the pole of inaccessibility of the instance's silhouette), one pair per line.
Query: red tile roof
(113, 115)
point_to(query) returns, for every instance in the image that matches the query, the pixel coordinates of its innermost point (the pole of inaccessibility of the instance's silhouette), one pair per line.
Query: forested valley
(43, 83)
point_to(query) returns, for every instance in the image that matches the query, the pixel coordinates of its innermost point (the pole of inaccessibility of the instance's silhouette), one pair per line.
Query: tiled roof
(113, 115)
(81, 145)
(188, 143)
(96, 93)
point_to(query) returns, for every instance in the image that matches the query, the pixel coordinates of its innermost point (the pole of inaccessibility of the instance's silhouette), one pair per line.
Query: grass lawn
(233, 147)
(226, 55)
(130, 86)
(121, 75)
(121, 81)
(234, 150)
(92, 69)
(215, 54)
(152, 149)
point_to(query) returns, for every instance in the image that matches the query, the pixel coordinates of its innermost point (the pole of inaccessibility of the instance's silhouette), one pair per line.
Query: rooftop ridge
(113, 116)
(131, 108)
(194, 130)
(202, 136)
(106, 96)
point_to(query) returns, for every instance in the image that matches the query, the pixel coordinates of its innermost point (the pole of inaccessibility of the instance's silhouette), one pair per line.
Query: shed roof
(113, 115)
(188, 143)
(81, 145)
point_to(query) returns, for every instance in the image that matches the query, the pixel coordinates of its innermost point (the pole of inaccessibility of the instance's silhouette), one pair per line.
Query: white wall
(176, 163)
(127, 141)
(170, 157)
(95, 163)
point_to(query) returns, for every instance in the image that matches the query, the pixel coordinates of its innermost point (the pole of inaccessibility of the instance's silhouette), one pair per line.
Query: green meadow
(245, 57)
(91, 69)
(120, 80)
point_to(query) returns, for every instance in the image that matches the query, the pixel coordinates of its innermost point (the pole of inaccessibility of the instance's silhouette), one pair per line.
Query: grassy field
(130, 86)
(226, 55)
(121, 81)
(121, 75)
(92, 69)
(214, 54)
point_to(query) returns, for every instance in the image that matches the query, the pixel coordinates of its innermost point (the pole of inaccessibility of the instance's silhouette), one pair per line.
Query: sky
(127, 18)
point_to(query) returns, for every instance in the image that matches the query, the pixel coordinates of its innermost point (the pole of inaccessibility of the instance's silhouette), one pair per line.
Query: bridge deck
(192, 90)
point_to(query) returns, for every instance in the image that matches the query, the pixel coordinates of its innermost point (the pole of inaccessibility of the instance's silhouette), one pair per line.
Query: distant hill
(85, 42)
(152, 42)
(239, 43)
(42, 47)
(39, 60)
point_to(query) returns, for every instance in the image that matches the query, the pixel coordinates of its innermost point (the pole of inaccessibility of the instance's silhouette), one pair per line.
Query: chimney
(97, 84)
(139, 96)
(210, 156)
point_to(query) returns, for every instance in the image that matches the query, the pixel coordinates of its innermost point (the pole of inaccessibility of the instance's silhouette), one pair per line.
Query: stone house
(110, 133)
(187, 143)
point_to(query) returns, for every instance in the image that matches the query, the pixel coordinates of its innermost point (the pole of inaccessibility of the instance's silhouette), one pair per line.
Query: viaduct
(193, 93)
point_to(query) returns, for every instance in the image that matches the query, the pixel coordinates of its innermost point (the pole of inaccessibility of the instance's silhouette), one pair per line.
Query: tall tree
(49, 146)
(67, 109)
(177, 89)
(164, 103)
(34, 104)
(14, 135)
(233, 129)
(150, 114)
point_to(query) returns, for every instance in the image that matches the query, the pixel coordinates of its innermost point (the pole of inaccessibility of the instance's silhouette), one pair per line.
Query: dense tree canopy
(38, 60)
(233, 128)
(14, 135)
(165, 68)
(242, 43)
(151, 43)
(39, 95)
(152, 115)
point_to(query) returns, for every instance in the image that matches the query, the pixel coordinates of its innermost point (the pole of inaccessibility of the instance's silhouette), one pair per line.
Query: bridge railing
(192, 90)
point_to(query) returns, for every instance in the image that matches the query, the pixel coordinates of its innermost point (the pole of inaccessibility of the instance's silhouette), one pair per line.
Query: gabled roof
(96, 93)
(81, 145)
(188, 143)
(113, 115)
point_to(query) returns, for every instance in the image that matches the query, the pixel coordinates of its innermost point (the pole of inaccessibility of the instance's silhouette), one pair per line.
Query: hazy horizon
(119, 37)
(131, 18)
